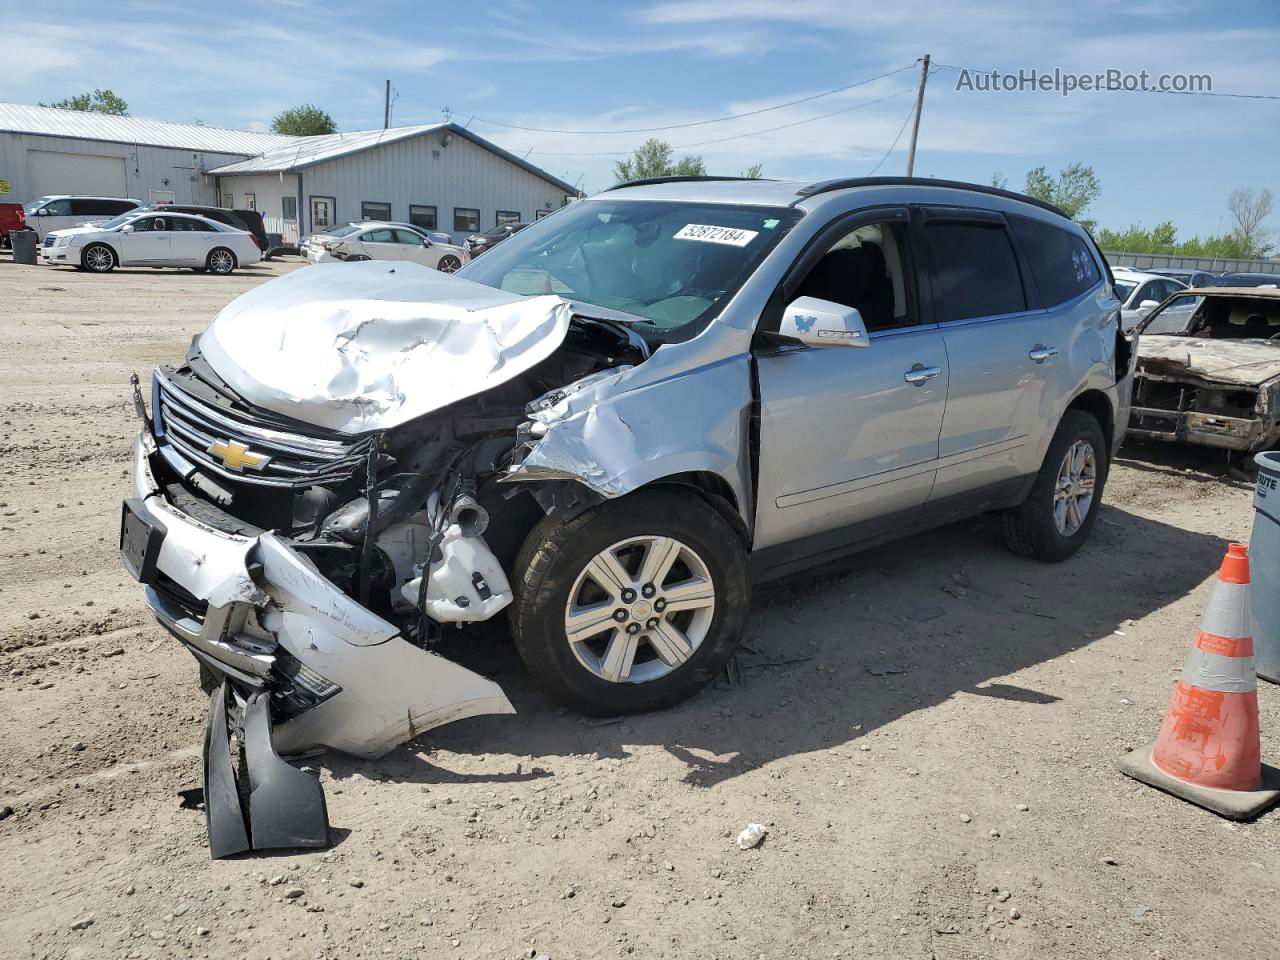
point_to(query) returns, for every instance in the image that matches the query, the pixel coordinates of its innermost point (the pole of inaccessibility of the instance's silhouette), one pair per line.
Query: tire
(98, 258)
(554, 568)
(220, 261)
(449, 264)
(1036, 527)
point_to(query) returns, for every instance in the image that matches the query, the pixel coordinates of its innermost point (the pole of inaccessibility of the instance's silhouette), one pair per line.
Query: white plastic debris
(752, 836)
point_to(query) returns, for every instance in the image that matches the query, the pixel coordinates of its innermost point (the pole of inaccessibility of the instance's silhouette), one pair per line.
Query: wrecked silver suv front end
(310, 565)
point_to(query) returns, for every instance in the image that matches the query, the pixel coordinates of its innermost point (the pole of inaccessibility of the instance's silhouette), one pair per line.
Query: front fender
(614, 438)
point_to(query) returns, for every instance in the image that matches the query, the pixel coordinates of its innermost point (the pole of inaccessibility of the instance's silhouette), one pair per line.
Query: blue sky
(605, 67)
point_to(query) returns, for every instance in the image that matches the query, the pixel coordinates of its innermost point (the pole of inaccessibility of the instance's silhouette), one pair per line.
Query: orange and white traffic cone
(1208, 749)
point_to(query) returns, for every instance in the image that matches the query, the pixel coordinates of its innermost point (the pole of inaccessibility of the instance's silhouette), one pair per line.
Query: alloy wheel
(99, 259)
(448, 264)
(639, 609)
(1073, 491)
(221, 261)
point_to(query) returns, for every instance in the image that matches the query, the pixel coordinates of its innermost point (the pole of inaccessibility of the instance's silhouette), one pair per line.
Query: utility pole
(386, 108)
(915, 124)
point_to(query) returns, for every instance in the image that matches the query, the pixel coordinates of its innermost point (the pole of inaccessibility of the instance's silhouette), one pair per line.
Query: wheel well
(1096, 404)
(714, 490)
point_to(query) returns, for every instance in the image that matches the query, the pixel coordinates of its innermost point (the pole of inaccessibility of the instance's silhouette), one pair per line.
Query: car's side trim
(795, 555)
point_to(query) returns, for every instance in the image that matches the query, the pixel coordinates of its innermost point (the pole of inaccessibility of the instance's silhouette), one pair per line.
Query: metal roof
(86, 125)
(308, 151)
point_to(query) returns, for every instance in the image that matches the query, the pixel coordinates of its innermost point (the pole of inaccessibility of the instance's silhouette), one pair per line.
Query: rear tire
(686, 623)
(220, 261)
(1045, 526)
(98, 258)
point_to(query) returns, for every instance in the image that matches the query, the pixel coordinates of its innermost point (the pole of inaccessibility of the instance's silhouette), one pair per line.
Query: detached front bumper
(260, 616)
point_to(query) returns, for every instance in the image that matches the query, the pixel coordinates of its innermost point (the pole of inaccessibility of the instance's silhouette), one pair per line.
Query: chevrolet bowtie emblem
(236, 456)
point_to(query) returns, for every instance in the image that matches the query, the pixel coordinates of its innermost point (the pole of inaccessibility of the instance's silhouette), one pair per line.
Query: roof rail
(646, 181)
(826, 186)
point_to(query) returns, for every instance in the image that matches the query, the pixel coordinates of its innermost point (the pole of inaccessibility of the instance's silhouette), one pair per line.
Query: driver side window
(865, 269)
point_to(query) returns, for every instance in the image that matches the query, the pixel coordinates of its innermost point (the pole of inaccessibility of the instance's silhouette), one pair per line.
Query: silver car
(607, 429)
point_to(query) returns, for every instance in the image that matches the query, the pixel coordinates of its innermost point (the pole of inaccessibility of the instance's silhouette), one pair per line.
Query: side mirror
(1148, 304)
(822, 323)
(127, 228)
(42, 212)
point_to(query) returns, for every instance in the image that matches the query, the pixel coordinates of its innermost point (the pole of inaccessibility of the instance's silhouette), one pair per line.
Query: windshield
(1124, 289)
(119, 221)
(671, 265)
(34, 205)
(345, 231)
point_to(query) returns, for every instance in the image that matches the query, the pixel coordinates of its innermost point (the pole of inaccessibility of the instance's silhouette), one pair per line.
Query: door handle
(1040, 353)
(921, 374)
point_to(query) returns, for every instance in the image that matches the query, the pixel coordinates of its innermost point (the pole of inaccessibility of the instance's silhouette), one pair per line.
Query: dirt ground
(929, 731)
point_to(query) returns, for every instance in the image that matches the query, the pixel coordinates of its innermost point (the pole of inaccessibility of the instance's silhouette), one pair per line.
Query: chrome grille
(193, 426)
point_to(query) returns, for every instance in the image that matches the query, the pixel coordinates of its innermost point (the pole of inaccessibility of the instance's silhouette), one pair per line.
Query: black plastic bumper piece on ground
(222, 811)
(286, 805)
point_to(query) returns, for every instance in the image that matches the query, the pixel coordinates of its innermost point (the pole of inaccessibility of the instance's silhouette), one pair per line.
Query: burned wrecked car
(602, 432)
(1209, 369)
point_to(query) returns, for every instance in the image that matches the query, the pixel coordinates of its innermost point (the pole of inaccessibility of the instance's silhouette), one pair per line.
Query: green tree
(999, 181)
(754, 172)
(653, 158)
(1072, 190)
(100, 101)
(307, 120)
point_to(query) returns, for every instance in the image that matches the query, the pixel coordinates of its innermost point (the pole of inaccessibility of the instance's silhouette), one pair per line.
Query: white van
(55, 213)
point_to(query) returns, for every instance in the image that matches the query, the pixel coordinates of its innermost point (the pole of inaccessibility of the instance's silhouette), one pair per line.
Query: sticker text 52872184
(711, 234)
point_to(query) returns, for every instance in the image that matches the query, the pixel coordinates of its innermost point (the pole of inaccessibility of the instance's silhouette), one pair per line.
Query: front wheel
(1055, 519)
(449, 264)
(632, 606)
(99, 258)
(221, 261)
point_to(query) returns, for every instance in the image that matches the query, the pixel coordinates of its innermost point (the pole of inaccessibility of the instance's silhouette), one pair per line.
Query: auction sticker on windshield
(709, 234)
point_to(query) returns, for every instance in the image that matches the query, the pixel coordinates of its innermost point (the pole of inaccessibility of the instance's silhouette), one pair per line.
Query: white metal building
(440, 176)
(44, 150)
(443, 177)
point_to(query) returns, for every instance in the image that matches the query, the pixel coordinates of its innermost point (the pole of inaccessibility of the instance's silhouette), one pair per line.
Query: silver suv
(608, 428)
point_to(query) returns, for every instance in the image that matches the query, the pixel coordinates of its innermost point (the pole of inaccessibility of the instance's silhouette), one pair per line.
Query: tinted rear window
(975, 271)
(1061, 262)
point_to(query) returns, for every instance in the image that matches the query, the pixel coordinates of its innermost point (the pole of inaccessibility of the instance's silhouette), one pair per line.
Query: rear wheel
(99, 258)
(220, 261)
(634, 605)
(1055, 519)
(449, 263)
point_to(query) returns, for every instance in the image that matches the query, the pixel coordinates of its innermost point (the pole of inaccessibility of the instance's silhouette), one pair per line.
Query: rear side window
(118, 206)
(1061, 262)
(975, 271)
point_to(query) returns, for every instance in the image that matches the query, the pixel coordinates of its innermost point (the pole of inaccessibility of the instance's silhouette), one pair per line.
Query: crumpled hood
(366, 346)
(1226, 361)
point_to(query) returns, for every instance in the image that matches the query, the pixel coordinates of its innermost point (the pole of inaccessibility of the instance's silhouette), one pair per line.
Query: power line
(901, 130)
(738, 136)
(1176, 93)
(675, 126)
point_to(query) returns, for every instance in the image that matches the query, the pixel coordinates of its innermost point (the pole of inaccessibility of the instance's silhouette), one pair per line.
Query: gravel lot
(929, 731)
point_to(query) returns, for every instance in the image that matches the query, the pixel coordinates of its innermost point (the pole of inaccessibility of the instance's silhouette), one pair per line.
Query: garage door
(53, 173)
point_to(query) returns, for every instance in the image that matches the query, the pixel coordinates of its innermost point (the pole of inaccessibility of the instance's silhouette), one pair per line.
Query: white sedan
(152, 239)
(382, 241)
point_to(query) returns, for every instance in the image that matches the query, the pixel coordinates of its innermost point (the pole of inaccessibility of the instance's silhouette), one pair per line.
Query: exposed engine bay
(369, 511)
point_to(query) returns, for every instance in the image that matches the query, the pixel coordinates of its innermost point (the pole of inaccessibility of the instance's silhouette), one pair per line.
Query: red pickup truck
(11, 218)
